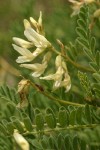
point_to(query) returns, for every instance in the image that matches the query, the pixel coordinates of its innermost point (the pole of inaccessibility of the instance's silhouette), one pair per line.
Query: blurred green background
(56, 19)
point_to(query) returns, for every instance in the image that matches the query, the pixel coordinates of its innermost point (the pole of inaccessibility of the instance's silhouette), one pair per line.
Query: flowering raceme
(36, 39)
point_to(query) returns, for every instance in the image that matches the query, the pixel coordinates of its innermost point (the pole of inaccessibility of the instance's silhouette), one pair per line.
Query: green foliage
(70, 126)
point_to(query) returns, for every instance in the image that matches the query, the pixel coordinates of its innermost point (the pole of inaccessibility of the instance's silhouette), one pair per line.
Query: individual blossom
(38, 24)
(57, 77)
(37, 68)
(78, 4)
(21, 141)
(61, 77)
(27, 56)
(37, 39)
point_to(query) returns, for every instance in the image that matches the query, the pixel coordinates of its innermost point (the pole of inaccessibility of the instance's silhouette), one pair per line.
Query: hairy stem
(70, 127)
(45, 93)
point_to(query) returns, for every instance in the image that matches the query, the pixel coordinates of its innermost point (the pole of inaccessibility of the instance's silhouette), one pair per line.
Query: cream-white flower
(78, 4)
(37, 24)
(38, 68)
(27, 56)
(96, 13)
(21, 141)
(40, 19)
(34, 39)
(37, 39)
(22, 43)
(26, 24)
(66, 82)
(37, 52)
(59, 75)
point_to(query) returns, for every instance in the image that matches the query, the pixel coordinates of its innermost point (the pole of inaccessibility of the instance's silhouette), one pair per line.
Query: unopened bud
(21, 141)
(34, 22)
(40, 19)
(27, 24)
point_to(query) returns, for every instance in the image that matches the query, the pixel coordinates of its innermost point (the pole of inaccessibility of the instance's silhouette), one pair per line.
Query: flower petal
(31, 66)
(22, 51)
(58, 61)
(22, 59)
(31, 37)
(27, 24)
(33, 21)
(21, 141)
(37, 39)
(49, 77)
(38, 73)
(22, 42)
(47, 57)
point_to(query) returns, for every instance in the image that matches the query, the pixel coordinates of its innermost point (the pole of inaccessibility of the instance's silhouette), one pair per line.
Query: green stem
(70, 127)
(84, 68)
(45, 93)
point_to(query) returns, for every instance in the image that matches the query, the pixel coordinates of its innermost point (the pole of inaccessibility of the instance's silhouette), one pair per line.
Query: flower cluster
(35, 38)
(61, 77)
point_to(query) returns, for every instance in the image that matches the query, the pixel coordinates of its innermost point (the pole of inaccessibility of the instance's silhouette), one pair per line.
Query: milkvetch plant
(57, 102)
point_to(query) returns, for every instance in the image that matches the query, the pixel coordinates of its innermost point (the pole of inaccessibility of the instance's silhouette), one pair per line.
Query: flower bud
(21, 141)
(22, 43)
(33, 21)
(27, 24)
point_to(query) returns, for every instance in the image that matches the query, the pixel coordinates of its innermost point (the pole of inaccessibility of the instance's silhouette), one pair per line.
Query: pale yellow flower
(27, 56)
(26, 24)
(34, 39)
(22, 43)
(37, 67)
(66, 82)
(38, 24)
(59, 75)
(37, 39)
(78, 4)
(21, 141)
